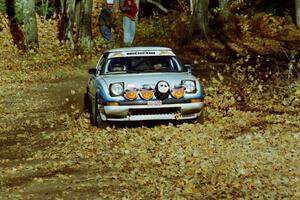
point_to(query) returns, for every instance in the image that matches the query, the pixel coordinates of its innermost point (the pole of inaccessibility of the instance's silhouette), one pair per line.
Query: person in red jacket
(129, 10)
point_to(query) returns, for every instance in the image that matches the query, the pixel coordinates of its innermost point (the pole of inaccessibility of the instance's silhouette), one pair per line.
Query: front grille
(153, 111)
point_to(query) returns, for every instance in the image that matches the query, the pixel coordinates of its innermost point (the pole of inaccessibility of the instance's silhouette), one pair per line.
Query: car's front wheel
(95, 117)
(92, 111)
(86, 102)
(100, 123)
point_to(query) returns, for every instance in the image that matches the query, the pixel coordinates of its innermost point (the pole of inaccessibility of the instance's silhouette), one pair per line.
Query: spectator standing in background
(106, 22)
(129, 10)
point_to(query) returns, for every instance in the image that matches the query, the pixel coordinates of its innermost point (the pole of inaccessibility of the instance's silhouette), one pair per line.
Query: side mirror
(189, 67)
(92, 71)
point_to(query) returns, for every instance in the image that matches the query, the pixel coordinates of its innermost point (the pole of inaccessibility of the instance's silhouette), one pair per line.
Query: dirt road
(48, 150)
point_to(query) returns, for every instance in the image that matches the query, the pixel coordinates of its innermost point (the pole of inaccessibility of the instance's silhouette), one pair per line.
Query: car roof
(140, 51)
(145, 48)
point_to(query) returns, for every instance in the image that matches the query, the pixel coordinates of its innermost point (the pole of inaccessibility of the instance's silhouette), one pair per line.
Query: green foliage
(162, 30)
(155, 29)
(18, 9)
(2, 6)
(44, 9)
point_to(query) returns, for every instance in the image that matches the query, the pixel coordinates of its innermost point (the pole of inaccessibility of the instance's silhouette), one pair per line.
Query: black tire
(93, 113)
(100, 123)
(86, 102)
(95, 117)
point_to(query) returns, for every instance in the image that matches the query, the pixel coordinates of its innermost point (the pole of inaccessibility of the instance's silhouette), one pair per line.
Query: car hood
(138, 80)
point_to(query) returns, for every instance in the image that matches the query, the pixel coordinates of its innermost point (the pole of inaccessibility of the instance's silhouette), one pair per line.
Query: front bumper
(179, 111)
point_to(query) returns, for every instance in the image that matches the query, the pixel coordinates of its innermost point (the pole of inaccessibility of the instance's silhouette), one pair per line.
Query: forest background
(247, 56)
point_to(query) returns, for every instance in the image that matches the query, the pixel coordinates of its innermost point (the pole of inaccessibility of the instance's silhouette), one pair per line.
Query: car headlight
(116, 89)
(190, 86)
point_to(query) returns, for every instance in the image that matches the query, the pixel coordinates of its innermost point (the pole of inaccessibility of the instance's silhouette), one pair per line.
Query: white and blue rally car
(142, 83)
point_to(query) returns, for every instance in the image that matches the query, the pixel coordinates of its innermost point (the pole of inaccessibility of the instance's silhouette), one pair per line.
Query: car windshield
(144, 64)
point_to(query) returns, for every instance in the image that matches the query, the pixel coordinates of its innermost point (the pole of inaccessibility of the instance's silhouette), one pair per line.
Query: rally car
(142, 83)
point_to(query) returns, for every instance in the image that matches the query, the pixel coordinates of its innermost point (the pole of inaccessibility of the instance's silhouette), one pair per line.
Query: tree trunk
(84, 28)
(16, 32)
(57, 6)
(77, 23)
(191, 6)
(30, 24)
(61, 21)
(62, 5)
(297, 6)
(199, 18)
(69, 22)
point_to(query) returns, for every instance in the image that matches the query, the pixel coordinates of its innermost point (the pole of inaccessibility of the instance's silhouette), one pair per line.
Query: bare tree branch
(158, 5)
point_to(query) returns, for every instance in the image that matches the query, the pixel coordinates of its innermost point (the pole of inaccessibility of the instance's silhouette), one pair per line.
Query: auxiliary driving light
(178, 93)
(130, 94)
(146, 94)
(162, 90)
